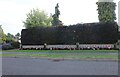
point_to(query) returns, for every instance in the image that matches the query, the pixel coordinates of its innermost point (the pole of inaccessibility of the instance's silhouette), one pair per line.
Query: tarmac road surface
(39, 66)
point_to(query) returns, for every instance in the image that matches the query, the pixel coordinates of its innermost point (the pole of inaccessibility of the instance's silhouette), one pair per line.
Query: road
(39, 66)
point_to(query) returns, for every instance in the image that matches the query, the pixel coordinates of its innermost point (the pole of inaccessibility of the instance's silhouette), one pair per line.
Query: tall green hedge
(119, 35)
(89, 33)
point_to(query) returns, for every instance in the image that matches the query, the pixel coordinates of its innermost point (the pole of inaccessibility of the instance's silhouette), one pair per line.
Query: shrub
(12, 45)
(7, 46)
(119, 35)
(15, 45)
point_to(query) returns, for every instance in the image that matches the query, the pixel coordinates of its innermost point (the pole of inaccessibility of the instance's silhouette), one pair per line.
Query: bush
(12, 45)
(7, 46)
(15, 45)
(119, 35)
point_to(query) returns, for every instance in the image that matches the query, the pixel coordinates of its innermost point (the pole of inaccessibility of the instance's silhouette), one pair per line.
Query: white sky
(13, 12)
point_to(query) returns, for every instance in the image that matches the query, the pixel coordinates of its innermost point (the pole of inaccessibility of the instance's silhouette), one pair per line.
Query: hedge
(88, 33)
(119, 35)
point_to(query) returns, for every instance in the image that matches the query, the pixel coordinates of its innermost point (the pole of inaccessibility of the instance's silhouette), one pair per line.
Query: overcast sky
(13, 12)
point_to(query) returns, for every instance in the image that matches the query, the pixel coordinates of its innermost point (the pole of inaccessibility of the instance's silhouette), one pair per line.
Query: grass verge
(64, 51)
(73, 54)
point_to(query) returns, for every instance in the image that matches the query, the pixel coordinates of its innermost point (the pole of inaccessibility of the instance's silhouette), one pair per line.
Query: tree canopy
(2, 35)
(9, 38)
(17, 36)
(56, 21)
(106, 11)
(37, 18)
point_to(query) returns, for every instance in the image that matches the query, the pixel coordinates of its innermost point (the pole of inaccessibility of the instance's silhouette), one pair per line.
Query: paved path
(37, 66)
